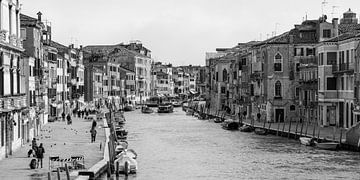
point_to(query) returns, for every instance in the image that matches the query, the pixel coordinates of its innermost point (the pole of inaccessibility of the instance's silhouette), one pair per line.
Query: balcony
(343, 68)
(257, 76)
(311, 60)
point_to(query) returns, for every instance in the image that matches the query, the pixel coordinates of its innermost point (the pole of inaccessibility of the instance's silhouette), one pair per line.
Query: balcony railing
(257, 76)
(308, 60)
(343, 68)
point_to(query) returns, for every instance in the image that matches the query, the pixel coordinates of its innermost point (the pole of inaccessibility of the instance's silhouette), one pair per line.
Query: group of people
(68, 118)
(38, 152)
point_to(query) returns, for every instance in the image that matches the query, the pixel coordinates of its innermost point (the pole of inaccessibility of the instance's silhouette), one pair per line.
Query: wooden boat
(307, 141)
(185, 106)
(165, 108)
(176, 103)
(146, 110)
(246, 128)
(327, 145)
(260, 131)
(189, 112)
(230, 125)
(121, 133)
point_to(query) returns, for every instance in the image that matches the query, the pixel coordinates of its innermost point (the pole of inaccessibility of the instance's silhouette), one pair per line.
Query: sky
(178, 31)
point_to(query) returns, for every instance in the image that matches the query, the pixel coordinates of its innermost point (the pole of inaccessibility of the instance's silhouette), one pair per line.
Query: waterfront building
(140, 63)
(94, 80)
(337, 63)
(127, 78)
(12, 80)
(163, 81)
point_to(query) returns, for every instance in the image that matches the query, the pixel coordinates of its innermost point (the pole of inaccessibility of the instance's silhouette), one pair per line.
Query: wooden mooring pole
(302, 127)
(278, 129)
(296, 130)
(67, 172)
(289, 129)
(283, 129)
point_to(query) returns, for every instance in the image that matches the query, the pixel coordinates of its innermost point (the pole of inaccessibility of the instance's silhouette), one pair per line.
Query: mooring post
(278, 129)
(283, 129)
(58, 173)
(49, 176)
(269, 126)
(314, 130)
(67, 172)
(307, 125)
(340, 136)
(302, 126)
(318, 135)
(334, 132)
(108, 169)
(117, 169)
(289, 129)
(296, 130)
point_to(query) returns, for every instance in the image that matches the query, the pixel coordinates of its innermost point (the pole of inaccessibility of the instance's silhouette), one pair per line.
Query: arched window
(278, 89)
(225, 75)
(278, 62)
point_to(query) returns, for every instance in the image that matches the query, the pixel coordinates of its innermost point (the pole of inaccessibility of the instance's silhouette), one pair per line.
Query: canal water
(176, 146)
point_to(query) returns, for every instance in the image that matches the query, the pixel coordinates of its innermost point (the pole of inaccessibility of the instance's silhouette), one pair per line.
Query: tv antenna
(333, 11)
(323, 4)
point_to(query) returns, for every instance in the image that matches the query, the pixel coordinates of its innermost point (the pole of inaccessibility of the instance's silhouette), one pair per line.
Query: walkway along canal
(177, 146)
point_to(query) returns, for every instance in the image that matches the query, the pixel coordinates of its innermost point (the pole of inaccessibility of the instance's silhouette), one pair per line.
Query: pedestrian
(63, 116)
(40, 155)
(93, 126)
(82, 114)
(33, 144)
(93, 134)
(79, 113)
(68, 118)
(87, 113)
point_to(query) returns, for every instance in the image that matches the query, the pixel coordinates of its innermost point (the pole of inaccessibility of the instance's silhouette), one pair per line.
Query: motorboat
(121, 146)
(246, 128)
(128, 107)
(230, 125)
(176, 103)
(121, 133)
(218, 120)
(146, 110)
(327, 145)
(307, 141)
(260, 131)
(189, 112)
(127, 161)
(165, 108)
(185, 106)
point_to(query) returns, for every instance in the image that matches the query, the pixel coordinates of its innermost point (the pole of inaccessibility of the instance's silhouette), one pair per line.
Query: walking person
(68, 118)
(93, 134)
(79, 113)
(40, 155)
(93, 126)
(63, 116)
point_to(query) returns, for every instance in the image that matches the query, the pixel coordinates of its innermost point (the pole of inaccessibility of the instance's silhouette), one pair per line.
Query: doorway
(279, 115)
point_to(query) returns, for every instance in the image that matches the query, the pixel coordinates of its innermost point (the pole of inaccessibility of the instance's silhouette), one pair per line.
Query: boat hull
(328, 146)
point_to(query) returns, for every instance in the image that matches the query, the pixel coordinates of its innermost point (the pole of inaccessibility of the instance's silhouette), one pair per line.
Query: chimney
(39, 16)
(335, 22)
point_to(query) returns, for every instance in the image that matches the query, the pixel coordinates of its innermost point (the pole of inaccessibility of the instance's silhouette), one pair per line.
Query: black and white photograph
(179, 89)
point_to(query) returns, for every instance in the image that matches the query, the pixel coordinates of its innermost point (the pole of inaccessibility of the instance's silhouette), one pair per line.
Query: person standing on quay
(63, 116)
(40, 154)
(93, 134)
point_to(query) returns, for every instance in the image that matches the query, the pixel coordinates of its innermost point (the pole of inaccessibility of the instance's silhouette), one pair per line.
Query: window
(224, 75)
(278, 89)
(292, 108)
(297, 67)
(23, 33)
(223, 89)
(321, 58)
(326, 33)
(331, 83)
(297, 92)
(331, 58)
(310, 51)
(278, 62)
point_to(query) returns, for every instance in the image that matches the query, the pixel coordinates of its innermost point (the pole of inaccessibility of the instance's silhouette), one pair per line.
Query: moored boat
(246, 128)
(128, 108)
(260, 131)
(146, 110)
(176, 103)
(230, 125)
(327, 145)
(165, 108)
(307, 141)
(127, 162)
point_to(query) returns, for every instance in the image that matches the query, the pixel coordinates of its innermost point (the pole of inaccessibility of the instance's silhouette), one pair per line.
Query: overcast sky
(177, 31)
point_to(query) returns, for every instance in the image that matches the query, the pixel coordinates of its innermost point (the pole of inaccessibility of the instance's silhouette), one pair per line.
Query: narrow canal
(176, 146)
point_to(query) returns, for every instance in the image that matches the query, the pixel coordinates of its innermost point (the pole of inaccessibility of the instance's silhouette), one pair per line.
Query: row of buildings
(309, 73)
(41, 80)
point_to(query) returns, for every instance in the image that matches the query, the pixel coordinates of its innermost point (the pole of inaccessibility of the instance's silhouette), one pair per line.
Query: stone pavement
(59, 139)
